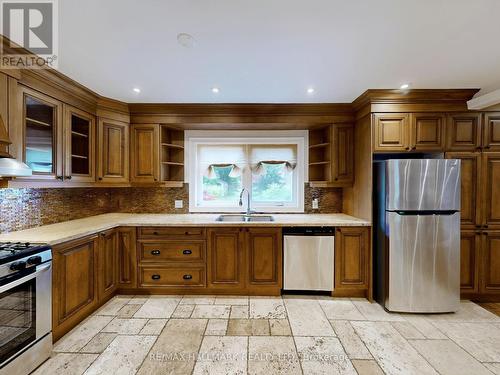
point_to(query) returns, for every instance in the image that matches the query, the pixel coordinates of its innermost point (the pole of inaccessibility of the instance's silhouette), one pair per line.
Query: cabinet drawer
(173, 277)
(173, 232)
(175, 251)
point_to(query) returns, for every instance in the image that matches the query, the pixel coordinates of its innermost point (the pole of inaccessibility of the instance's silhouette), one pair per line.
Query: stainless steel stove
(25, 306)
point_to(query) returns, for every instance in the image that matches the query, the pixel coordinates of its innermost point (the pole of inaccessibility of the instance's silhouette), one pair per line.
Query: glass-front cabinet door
(42, 135)
(80, 147)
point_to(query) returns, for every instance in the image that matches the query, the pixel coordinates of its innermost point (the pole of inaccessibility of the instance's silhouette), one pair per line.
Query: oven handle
(29, 277)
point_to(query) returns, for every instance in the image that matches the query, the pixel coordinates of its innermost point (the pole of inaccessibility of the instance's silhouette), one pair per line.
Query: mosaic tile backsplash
(27, 208)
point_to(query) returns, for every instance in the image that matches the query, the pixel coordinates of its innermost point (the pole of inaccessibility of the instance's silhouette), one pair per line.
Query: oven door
(25, 311)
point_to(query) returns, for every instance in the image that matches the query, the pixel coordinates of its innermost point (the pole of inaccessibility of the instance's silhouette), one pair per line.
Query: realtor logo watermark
(30, 25)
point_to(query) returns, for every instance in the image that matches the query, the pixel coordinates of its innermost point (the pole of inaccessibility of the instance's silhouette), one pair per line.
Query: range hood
(10, 167)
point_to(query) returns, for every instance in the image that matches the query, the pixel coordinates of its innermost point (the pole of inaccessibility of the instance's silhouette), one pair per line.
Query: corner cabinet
(107, 274)
(145, 159)
(352, 261)
(113, 151)
(74, 285)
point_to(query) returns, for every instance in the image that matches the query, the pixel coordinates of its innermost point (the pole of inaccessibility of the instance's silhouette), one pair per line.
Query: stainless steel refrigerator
(417, 235)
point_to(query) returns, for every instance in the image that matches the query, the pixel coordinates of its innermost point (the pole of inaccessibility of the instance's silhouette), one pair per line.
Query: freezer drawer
(423, 262)
(308, 263)
(426, 184)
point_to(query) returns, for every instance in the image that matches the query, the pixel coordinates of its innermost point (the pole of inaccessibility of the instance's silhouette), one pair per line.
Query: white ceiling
(273, 50)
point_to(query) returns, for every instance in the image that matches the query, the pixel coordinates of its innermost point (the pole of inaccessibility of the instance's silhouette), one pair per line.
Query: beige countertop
(69, 230)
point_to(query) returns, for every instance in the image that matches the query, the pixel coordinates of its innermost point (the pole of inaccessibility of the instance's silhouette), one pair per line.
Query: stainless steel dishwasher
(308, 258)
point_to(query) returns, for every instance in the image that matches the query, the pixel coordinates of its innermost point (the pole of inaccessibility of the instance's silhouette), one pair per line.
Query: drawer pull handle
(187, 277)
(155, 277)
(155, 252)
(187, 252)
(155, 233)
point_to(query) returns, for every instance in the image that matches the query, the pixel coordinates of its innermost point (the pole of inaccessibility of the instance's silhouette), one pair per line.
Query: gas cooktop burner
(13, 250)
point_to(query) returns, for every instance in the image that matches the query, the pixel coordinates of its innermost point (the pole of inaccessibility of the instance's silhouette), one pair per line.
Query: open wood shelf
(171, 145)
(320, 163)
(79, 134)
(319, 145)
(171, 156)
(79, 156)
(172, 163)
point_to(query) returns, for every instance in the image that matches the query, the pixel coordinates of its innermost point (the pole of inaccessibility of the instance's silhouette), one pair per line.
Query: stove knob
(37, 259)
(18, 266)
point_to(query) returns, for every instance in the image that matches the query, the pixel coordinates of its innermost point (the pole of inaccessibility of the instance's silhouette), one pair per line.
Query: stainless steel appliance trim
(22, 280)
(308, 262)
(423, 184)
(424, 263)
(32, 357)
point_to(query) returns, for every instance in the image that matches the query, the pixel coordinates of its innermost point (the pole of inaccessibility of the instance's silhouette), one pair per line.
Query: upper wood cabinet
(491, 190)
(427, 131)
(113, 151)
(342, 154)
(264, 257)
(470, 187)
(490, 278)
(42, 135)
(463, 132)
(391, 132)
(74, 288)
(226, 258)
(352, 258)
(107, 274)
(145, 159)
(79, 146)
(492, 131)
(331, 156)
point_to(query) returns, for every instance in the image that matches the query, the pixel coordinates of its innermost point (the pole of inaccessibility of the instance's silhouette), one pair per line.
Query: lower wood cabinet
(470, 245)
(245, 259)
(107, 264)
(490, 275)
(74, 283)
(127, 258)
(226, 258)
(352, 261)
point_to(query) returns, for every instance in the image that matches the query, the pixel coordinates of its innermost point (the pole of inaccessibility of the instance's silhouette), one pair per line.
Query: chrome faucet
(248, 200)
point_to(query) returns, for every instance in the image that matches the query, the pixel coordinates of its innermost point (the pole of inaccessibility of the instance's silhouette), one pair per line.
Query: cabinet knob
(155, 277)
(100, 178)
(68, 177)
(59, 178)
(155, 252)
(187, 277)
(187, 252)
(336, 179)
(407, 148)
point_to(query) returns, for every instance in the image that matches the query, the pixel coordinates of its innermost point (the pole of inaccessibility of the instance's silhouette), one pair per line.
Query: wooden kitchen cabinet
(331, 156)
(264, 249)
(113, 151)
(391, 132)
(352, 259)
(470, 187)
(470, 246)
(74, 288)
(491, 140)
(145, 153)
(43, 135)
(127, 258)
(343, 155)
(490, 278)
(464, 132)
(491, 190)
(79, 145)
(427, 131)
(107, 265)
(226, 258)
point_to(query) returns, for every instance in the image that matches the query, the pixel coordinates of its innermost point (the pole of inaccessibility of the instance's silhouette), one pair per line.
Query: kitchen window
(269, 165)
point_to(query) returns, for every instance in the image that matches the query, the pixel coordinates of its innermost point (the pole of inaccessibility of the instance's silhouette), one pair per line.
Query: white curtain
(222, 155)
(272, 154)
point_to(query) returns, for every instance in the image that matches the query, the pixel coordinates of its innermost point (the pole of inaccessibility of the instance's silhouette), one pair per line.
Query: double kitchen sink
(239, 218)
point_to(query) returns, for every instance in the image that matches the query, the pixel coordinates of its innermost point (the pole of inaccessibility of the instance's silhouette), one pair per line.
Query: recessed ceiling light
(310, 90)
(215, 90)
(137, 90)
(405, 86)
(186, 40)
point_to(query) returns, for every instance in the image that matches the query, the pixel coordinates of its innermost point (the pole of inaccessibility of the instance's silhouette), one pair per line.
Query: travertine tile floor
(273, 335)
